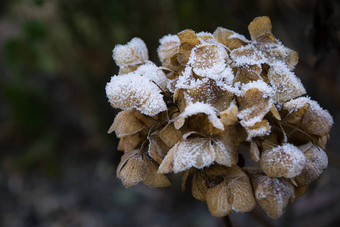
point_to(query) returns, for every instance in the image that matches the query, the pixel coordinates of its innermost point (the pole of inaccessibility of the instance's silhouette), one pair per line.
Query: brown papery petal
(259, 27)
(170, 135)
(188, 40)
(241, 193)
(131, 170)
(197, 152)
(152, 178)
(218, 200)
(126, 123)
(283, 161)
(199, 187)
(229, 38)
(317, 161)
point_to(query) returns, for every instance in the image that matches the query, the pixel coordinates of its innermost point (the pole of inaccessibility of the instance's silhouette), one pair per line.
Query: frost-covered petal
(169, 46)
(247, 55)
(133, 53)
(313, 119)
(254, 102)
(208, 59)
(133, 91)
(197, 152)
(283, 161)
(229, 38)
(273, 194)
(316, 162)
(286, 85)
(154, 74)
(197, 108)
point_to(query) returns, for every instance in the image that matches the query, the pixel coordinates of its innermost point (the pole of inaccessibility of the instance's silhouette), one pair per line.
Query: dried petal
(126, 123)
(239, 189)
(131, 169)
(195, 109)
(254, 151)
(254, 102)
(130, 142)
(188, 40)
(316, 162)
(170, 135)
(273, 194)
(199, 187)
(133, 91)
(133, 53)
(283, 161)
(260, 26)
(151, 177)
(197, 152)
(157, 148)
(229, 116)
(218, 200)
(286, 85)
(208, 59)
(168, 48)
(229, 38)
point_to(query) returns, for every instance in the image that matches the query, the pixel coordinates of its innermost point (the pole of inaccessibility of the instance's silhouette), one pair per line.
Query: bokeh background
(57, 164)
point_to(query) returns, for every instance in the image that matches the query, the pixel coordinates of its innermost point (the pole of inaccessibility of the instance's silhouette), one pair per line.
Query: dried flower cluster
(212, 93)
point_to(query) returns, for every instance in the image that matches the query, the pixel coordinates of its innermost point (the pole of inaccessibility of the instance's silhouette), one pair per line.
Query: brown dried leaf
(188, 40)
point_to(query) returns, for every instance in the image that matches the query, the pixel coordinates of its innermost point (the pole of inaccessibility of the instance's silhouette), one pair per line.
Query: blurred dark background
(57, 161)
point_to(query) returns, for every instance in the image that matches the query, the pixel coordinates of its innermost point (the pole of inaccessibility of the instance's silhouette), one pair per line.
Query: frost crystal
(212, 93)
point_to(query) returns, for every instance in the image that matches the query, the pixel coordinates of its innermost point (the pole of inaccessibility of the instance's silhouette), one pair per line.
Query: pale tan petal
(218, 200)
(188, 40)
(229, 38)
(131, 170)
(199, 187)
(151, 177)
(197, 152)
(283, 161)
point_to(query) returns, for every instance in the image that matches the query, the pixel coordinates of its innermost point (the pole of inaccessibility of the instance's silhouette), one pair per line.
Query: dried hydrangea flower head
(212, 93)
